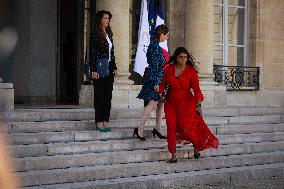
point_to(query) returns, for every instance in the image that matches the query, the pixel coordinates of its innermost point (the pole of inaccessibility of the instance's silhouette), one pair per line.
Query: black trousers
(102, 98)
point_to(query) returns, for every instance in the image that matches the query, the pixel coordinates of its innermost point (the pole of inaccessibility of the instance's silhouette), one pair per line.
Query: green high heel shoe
(106, 126)
(101, 129)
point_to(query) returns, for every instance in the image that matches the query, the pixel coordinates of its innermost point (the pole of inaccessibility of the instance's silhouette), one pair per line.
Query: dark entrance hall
(67, 63)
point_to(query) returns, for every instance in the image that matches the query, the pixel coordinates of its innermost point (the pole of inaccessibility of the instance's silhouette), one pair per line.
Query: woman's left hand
(156, 88)
(199, 111)
(115, 72)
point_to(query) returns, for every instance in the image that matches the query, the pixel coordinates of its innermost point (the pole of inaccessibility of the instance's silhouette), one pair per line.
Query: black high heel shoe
(156, 132)
(196, 155)
(136, 133)
(172, 161)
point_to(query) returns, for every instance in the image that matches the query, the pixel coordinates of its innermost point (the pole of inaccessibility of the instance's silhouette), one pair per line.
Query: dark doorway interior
(67, 67)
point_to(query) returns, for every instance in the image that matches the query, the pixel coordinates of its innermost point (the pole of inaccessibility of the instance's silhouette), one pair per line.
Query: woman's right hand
(95, 75)
(156, 88)
(198, 110)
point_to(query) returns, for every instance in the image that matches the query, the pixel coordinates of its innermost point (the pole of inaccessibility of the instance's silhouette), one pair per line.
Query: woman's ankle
(196, 151)
(158, 129)
(105, 124)
(140, 133)
(100, 124)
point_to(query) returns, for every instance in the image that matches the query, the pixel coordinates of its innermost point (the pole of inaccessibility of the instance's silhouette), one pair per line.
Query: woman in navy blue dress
(149, 92)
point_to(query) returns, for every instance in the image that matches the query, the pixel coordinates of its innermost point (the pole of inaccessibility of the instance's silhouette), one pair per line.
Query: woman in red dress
(183, 106)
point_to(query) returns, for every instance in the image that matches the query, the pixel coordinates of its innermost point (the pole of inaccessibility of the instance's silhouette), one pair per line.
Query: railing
(237, 77)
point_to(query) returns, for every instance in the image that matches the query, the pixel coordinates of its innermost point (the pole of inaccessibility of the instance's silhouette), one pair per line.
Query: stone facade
(265, 50)
(6, 97)
(34, 71)
(266, 44)
(8, 39)
(191, 25)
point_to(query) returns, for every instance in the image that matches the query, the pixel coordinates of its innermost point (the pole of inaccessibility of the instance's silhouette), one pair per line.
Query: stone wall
(270, 43)
(6, 48)
(269, 51)
(35, 56)
(266, 44)
(34, 68)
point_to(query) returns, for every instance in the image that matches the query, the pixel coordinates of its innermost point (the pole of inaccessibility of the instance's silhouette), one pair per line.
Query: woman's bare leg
(105, 124)
(174, 157)
(152, 105)
(100, 125)
(159, 115)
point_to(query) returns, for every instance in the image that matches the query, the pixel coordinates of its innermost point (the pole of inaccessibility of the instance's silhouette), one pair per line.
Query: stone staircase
(60, 149)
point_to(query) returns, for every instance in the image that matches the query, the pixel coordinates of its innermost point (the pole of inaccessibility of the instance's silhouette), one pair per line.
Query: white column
(199, 33)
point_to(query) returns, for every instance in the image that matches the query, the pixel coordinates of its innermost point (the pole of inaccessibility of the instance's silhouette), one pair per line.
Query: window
(230, 32)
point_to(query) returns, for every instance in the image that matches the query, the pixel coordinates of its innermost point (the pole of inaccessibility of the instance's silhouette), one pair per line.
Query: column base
(86, 96)
(6, 97)
(123, 80)
(123, 96)
(215, 94)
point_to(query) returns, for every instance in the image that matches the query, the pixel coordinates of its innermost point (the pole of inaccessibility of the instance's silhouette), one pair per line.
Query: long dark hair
(97, 26)
(190, 59)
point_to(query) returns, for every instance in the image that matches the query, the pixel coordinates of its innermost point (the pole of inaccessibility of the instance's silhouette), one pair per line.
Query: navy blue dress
(155, 60)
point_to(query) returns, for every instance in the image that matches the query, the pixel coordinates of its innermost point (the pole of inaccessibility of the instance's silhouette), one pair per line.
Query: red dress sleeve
(195, 85)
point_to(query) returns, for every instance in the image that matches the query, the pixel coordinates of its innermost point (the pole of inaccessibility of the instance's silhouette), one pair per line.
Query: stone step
(265, 119)
(22, 127)
(103, 158)
(246, 129)
(255, 119)
(36, 150)
(24, 115)
(50, 126)
(73, 136)
(105, 172)
(69, 136)
(244, 111)
(88, 113)
(183, 179)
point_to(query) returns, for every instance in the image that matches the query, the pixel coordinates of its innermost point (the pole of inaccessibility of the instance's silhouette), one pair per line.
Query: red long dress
(183, 124)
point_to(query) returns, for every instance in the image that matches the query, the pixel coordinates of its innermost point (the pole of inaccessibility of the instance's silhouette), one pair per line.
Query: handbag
(102, 67)
(165, 93)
